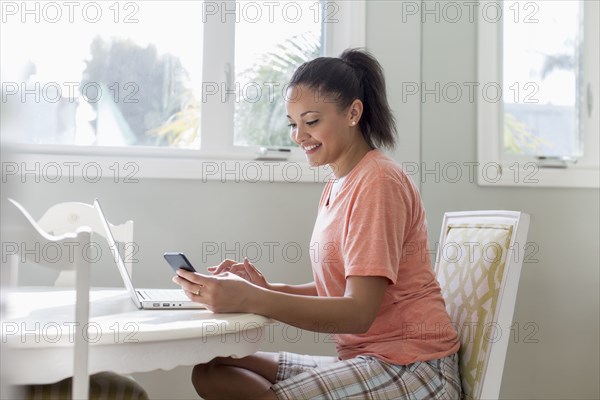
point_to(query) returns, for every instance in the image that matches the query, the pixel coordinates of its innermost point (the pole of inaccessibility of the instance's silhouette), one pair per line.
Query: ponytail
(356, 74)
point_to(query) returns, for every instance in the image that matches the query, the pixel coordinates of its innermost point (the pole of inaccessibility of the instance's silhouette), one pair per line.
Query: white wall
(558, 293)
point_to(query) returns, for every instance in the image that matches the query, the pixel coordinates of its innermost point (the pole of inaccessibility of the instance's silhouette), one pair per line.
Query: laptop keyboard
(163, 294)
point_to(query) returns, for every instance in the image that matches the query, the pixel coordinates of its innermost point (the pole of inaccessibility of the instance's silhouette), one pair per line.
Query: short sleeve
(379, 217)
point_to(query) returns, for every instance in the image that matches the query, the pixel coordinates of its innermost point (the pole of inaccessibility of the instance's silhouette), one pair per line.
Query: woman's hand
(244, 270)
(226, 292)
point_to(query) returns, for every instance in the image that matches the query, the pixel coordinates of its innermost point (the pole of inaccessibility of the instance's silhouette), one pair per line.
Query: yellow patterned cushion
(470, 272)
(103, 386)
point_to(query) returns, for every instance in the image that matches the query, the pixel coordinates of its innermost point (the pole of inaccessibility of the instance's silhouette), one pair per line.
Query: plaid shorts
(301, 377)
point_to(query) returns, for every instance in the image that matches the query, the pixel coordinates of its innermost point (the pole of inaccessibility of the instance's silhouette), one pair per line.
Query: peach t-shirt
(375, 226)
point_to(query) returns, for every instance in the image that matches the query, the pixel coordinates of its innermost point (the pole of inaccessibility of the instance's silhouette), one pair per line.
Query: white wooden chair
(65, 221)
(478, 265)
(77, 221)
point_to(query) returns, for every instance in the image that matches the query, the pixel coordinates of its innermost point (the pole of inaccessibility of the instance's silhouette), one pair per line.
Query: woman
(373, 283)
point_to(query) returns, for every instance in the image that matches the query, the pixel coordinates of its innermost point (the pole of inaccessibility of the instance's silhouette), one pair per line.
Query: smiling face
(325, 134)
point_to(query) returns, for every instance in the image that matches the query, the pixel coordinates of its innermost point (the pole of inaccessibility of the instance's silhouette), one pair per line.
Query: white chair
(65, 221)
(76, 221)
(478, 265)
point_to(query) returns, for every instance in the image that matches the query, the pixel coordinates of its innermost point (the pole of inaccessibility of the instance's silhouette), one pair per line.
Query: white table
(38, 332)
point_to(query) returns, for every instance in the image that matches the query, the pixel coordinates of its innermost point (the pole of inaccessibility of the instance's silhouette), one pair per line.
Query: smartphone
(179, 260)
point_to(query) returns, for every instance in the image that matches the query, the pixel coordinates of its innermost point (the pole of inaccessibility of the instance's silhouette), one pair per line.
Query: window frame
(217, 148)
(527, 170)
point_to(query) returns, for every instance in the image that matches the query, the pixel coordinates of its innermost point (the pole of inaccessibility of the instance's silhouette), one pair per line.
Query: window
(101, 74)
(542, 57)
(263, 64)
(191, 80)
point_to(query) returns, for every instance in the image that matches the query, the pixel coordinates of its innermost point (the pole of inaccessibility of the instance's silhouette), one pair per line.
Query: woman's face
(324, 133)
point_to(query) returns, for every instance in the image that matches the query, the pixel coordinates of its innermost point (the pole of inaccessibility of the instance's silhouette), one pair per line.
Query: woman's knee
(216, 379)
(201, 376)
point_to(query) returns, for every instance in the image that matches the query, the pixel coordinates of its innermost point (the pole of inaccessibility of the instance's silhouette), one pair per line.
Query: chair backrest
(478, 265)
(66, 220)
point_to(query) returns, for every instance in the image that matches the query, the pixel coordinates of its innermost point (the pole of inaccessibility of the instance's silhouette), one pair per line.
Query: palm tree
(263, 122)
(182, 128)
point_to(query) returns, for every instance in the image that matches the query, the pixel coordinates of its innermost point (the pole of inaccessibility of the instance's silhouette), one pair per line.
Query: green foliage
(182, 129)
(263, 122)
(517, 138)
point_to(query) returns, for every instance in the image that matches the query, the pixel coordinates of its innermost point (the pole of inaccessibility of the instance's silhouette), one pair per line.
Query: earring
(353, 123)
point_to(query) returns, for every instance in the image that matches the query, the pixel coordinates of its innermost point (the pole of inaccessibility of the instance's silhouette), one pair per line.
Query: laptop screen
(116, 254)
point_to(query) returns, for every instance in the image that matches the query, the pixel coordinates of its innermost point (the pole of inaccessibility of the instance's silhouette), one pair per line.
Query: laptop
(144, 298)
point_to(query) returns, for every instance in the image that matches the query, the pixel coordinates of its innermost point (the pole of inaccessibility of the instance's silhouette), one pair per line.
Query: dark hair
(356, 74)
